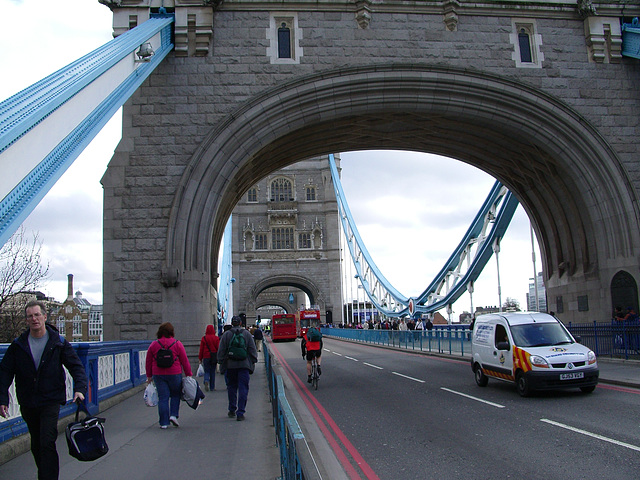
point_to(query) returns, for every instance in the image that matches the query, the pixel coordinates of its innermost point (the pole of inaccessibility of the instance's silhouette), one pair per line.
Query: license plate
(571, 376)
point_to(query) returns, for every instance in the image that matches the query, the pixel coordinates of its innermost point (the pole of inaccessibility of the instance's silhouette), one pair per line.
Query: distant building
(485, 310)
(76, 319)
(542, 295)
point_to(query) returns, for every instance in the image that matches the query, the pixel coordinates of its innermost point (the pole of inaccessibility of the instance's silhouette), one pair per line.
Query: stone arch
(297, 281)
(566, 176)
(624, 290)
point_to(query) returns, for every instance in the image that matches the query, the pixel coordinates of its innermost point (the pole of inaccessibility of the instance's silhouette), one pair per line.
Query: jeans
(209, 365)
(169, 393)
(237, 389)
(42, 423)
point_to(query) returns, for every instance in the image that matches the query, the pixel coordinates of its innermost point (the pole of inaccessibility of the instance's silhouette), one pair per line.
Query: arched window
(624, 291)
(524, 41)
(282, 238)
(311, 194)
(252, 195)
(284, 41)
(281, 190)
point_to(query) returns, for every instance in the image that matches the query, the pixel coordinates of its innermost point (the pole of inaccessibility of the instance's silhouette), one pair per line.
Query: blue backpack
(314, 335)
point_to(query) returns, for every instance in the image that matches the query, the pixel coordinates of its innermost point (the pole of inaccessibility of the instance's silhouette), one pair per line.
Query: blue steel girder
(225, 285)
(461, 269)
(46, 126)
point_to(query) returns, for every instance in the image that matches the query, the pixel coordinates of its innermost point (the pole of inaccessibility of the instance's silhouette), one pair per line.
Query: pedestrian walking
(237, 356)
(208, 357)
(257, 337)
(35, 359)
(167, 376)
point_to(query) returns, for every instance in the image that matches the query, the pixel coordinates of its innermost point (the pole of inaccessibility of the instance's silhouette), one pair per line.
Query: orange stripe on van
(521, 360)
(493, 373)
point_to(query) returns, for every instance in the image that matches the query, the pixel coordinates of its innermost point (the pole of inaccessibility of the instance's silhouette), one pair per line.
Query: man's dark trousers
(43, 427)
(237, 380)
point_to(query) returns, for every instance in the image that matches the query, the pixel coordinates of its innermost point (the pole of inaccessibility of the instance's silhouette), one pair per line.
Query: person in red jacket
(168, 381)
(208, 356)
(311, 349)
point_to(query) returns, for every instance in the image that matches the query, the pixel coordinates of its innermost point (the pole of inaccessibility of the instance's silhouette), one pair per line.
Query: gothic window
(526, 44)
(252, 195)
(261, 241)
(304, 240)
(284, 39)
(60, 325)
(281, 190)
(311, 194)
(282, 238)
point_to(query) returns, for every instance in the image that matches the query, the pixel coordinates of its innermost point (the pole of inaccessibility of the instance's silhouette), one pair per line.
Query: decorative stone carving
(170, 276)
(363, 13)
(604, 39)
(586, 8)
(450, 12)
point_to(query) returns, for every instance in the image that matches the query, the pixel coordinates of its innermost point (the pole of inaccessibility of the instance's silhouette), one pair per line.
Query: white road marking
(589, 434)
(497, 405)
(410, 378)
(374, 366)
(336, 353)
(351, 358)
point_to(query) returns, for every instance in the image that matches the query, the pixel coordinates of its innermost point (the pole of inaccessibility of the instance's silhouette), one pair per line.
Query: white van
(534, 350)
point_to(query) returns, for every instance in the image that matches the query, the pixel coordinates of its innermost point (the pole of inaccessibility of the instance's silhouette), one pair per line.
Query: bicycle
(315, 376)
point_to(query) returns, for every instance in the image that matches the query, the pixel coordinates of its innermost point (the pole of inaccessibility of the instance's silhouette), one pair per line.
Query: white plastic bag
(151, 395)
(200, 372)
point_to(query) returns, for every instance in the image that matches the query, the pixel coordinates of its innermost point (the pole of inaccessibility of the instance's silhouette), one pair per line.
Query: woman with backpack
(166, 359)
(208, 356)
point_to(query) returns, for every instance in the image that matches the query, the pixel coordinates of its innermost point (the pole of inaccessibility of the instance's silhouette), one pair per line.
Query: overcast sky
(411, 209)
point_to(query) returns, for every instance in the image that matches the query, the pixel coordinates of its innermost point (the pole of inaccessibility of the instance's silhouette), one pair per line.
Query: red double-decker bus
(284, 327)
(306, 319)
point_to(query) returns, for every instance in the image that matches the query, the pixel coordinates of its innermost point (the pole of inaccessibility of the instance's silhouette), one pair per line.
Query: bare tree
(21, 272)
(511, 305)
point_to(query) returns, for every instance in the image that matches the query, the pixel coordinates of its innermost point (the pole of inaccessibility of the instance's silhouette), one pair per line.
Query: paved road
(394, 415)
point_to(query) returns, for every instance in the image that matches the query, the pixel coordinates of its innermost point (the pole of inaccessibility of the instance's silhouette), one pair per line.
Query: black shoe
(240, 418)
(231, 414)
(309, 379)
(319, 370)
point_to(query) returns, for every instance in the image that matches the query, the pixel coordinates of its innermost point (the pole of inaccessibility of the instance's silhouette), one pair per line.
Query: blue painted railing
(451, 339)
(112, 368)
(610, 339)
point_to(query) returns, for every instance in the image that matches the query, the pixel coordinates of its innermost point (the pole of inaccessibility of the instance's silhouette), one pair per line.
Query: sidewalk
(208, 444)
(619, 372)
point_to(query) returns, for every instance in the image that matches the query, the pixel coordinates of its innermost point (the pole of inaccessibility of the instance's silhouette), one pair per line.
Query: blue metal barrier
(112, 368)
(451, 339)
(613, 339)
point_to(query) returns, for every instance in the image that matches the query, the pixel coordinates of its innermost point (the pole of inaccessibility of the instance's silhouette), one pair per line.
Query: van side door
(501, 358)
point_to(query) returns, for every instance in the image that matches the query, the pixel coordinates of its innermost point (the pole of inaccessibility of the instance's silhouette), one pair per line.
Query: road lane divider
(408, 377)
(373, 366)
(351, 358)
(591, 434)
(497, 405)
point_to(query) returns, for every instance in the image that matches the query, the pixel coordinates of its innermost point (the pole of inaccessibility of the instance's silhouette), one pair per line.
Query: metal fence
(295, 459)
(610, 339)
(450, 339)
(112, 368)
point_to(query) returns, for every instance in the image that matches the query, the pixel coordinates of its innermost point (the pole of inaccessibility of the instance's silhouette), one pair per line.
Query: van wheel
(481, 378)
(588, 389)
(522, 384)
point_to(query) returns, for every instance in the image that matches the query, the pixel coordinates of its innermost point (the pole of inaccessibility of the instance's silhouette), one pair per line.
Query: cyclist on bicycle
(312, 347)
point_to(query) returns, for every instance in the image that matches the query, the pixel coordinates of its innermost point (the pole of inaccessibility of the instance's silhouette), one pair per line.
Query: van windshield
(540, 335)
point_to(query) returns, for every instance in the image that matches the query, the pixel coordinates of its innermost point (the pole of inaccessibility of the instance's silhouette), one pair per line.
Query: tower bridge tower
(286, 242)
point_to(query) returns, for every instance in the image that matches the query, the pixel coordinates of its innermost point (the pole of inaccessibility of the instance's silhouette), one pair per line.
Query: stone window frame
(281, 179)
(535, 41)
(311, 194)
(260, 241)
(282, 238)
(276, 20)
(252, 195)
(305, 241)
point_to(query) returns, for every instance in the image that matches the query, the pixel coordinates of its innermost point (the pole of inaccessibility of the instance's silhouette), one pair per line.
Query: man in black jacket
(36, 359)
